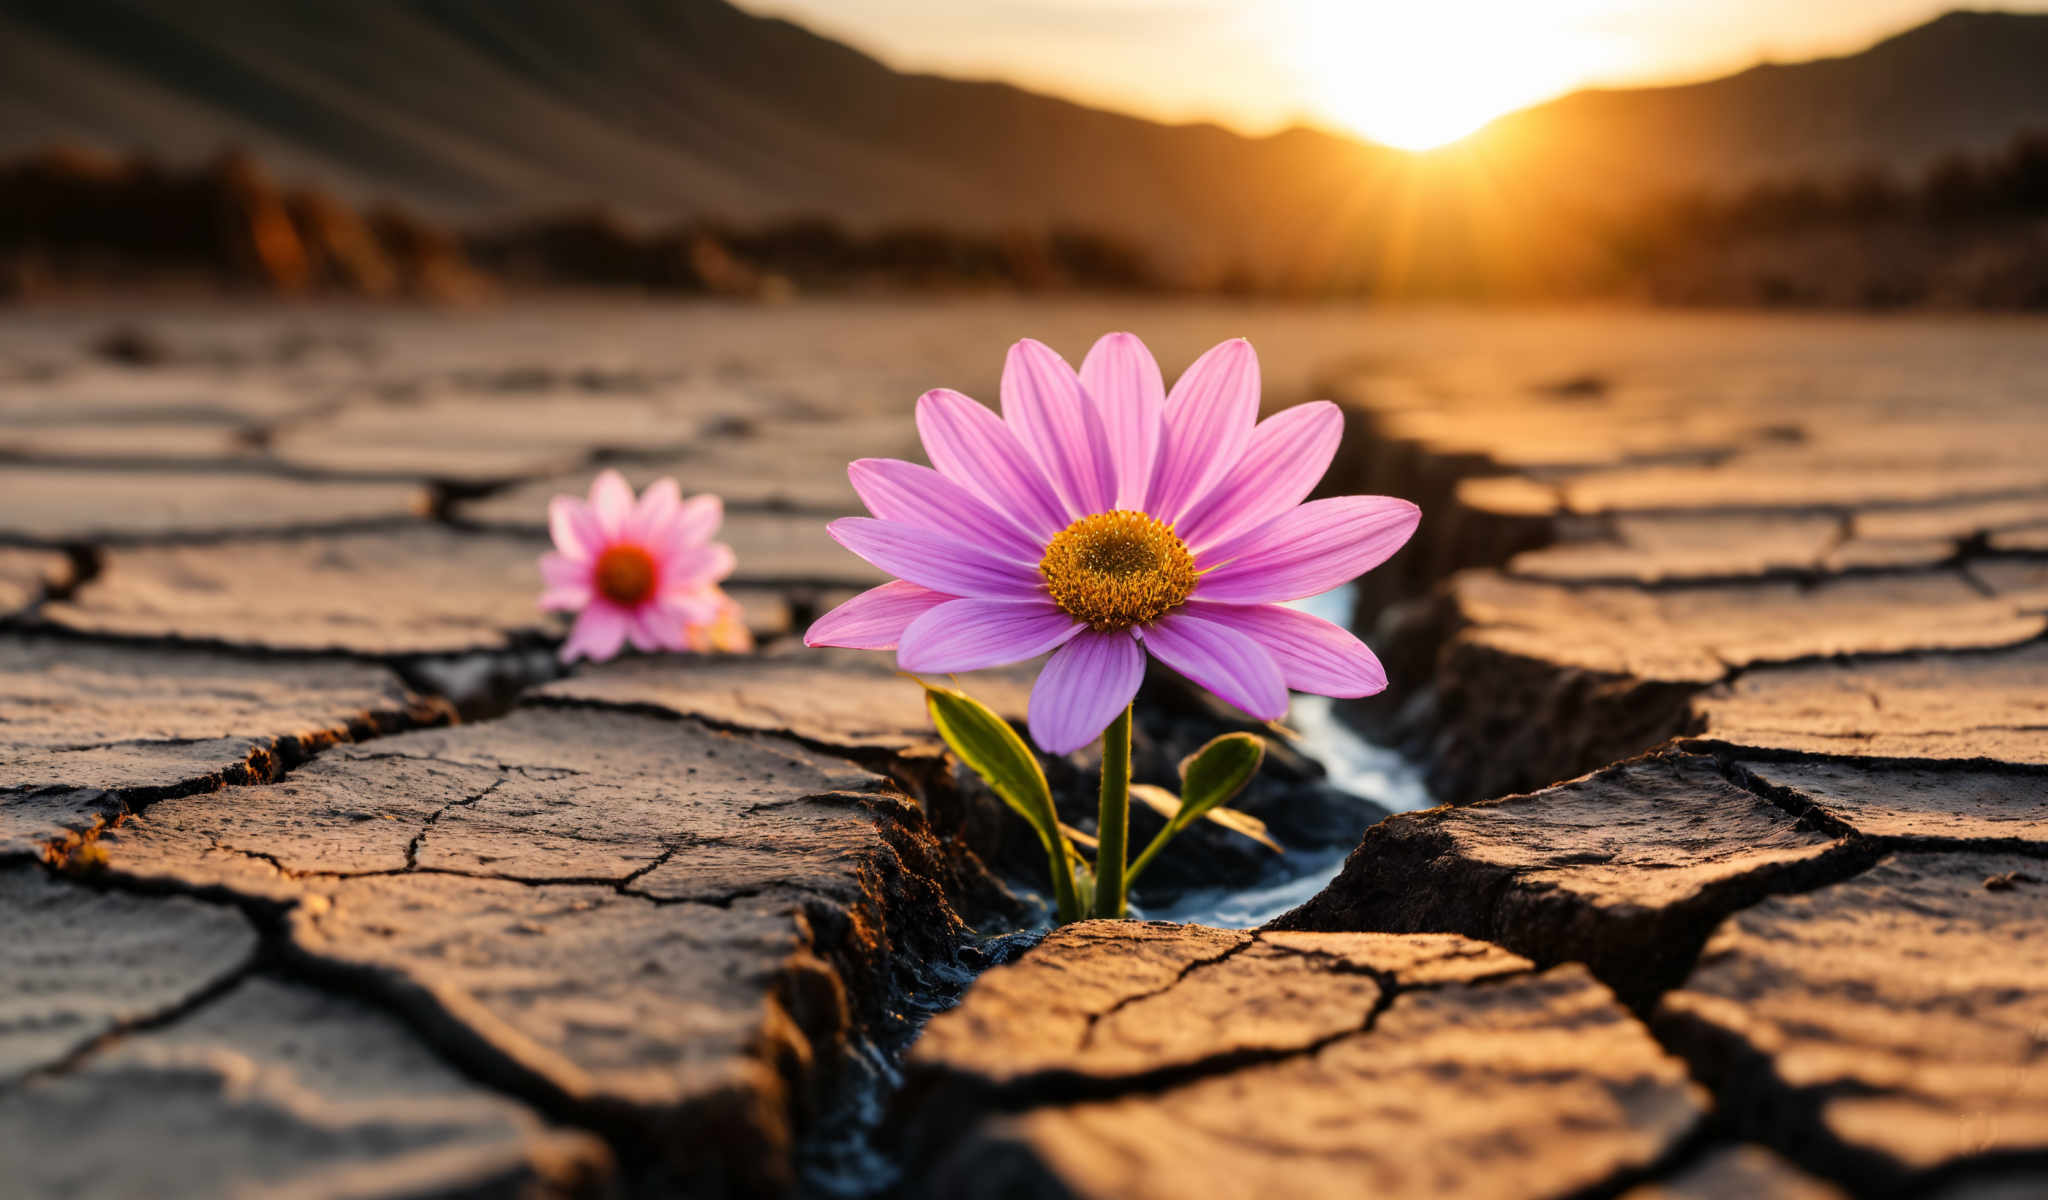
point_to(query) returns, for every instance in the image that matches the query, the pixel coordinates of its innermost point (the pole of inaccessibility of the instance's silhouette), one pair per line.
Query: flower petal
(1084, 685)
(649, 628)
(1221, 659)
(1208, 424)
(611, 498)
(697, 519)
(875, 619)
(974, 448)
(697, 567)
(1288, 454)
(1308, 550)
(1122, 381)
(559, 570)
(574, 528)
(597, 635)
(895, 490)
(968, 635)
(1313, 654)
(565, 582)
(1043, 402)
(674, 634)
(654, 513)
(693, 607)
(939, 561)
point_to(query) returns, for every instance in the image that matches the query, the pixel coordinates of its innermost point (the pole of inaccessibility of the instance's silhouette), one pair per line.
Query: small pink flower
(1100, 518)
(644, 571)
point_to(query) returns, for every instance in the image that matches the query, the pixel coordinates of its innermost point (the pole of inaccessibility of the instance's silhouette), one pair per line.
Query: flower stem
(1066, 897)
(1113, 824)
(1149, 853)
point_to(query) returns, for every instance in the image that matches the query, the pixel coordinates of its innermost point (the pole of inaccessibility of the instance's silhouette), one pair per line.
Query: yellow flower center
(624, 575)
(1118, 569)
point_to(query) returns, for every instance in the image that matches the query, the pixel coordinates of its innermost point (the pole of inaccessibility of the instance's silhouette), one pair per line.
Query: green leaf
(1218, 771)
(987, 744)
(1209, 777)
(992, 750)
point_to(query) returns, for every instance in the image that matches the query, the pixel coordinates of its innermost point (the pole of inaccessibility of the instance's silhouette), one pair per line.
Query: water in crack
(842, 1158)
(1356, 766)
(1243, 908)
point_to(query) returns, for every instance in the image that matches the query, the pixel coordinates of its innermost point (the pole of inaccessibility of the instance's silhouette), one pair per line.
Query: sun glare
(1421, 74)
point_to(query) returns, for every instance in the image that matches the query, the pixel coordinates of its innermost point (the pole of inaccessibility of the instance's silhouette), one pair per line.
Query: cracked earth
(1722, 643)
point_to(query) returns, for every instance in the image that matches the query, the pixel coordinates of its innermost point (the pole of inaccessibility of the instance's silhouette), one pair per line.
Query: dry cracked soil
(1722, 647)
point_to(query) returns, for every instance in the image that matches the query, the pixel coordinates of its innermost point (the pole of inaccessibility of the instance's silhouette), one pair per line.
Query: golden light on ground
(1420, 75)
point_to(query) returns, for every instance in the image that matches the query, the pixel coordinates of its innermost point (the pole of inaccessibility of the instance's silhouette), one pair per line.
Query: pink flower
(1101, 518)
(647, 571)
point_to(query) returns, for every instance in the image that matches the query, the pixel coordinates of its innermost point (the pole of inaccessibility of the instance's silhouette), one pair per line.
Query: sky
(1412, 73)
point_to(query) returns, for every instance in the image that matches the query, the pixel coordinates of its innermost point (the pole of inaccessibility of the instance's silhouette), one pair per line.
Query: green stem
(1150, 852)
(1066, 898)
(1113, 825)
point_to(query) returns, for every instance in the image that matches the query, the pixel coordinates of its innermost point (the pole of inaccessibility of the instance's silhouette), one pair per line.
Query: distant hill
(469, 110)
(475, 111)
(1967, 82)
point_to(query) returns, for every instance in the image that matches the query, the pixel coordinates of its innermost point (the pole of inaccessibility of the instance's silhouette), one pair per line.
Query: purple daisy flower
(1101, 518)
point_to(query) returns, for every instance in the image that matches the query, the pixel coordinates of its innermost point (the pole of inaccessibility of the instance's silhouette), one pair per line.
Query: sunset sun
(1419, 76)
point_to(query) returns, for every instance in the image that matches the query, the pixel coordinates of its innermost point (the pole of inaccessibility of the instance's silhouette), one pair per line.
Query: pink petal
(875, 619)
(1221, 659)
(1208, 424)
(697, 567)
(597, 635)
(565, 580)
(697, 519)
(611, 498)
(655, 511)
(899, 491)
(559, 570)
(657, 627)
(1084, 685)
(1123, 383)
(1313, 654)
(670, 623)
(1288, 454)
(968, 635)
(694, 608)
(939, 561)
(1043, 402)
(1308, 550)
(974, 448)
(574, 528)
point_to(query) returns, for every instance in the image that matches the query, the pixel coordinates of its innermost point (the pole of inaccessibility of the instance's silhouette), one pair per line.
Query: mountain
(479, 111)
(468, 110)
(1966, 82)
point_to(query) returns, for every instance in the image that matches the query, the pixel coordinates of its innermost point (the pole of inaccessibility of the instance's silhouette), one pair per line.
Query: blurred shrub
(71, 219)
(811, 254)
(1972, 231)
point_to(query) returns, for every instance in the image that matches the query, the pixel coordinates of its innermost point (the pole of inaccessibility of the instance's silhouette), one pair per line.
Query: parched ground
(1723, 636)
